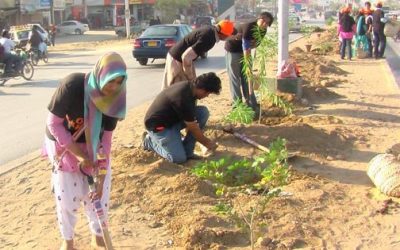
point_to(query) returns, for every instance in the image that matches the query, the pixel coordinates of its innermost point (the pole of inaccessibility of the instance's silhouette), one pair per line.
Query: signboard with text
(44, 3)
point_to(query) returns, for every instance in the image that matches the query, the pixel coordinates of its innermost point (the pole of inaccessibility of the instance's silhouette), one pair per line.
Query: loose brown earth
(350, 113)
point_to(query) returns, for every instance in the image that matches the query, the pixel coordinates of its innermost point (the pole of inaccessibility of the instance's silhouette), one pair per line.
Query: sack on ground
(391, 28)
(384, 171)
(361, 53)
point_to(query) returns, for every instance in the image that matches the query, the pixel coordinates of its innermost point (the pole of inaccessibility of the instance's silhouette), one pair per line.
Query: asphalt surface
(392, 54)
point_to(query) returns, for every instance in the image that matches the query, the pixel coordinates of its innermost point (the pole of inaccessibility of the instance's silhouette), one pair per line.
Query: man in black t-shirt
(238, 47)
(179, 61)
(175, 109)
(378, 26)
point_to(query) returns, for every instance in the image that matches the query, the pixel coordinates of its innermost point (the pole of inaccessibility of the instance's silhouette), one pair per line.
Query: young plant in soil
(266, 172)
(268, 169)
(240, 113)
(267, 49)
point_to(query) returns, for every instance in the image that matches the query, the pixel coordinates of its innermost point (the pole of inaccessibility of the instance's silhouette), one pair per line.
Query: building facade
(98, 13)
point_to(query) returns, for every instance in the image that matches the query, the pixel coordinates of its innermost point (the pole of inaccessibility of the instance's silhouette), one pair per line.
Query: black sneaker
(195, 157)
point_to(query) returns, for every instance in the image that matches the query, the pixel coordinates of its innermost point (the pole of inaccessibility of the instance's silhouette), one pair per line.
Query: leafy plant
(251, 218)
(241, 113)
(266, 172)
(169, 8)
(222, 208)
(268, 48)
(329, 21)
(325, 47)
(269, 169)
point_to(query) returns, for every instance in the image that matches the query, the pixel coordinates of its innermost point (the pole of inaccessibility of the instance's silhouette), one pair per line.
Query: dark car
(203, 20)
(157, 40)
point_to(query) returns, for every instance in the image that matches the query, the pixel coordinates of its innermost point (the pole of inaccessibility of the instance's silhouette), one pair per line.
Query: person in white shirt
(9, 58)
(7, 43)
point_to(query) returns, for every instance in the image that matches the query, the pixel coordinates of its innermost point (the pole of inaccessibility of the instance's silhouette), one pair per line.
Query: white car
(72, 27)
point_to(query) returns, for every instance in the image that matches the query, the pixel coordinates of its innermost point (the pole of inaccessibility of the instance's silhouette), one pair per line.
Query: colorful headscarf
(109, 67)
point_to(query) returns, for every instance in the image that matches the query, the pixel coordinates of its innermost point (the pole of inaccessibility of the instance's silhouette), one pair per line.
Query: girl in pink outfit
(346, 31)
(83, 113)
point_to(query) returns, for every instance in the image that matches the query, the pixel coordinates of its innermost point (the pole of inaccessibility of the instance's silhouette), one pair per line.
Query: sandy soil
(351, 114)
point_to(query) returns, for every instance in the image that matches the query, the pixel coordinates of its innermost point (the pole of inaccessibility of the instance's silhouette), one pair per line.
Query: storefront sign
(44, 4)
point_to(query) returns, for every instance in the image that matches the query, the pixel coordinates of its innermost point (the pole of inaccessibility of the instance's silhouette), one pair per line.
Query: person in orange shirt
(179, 62)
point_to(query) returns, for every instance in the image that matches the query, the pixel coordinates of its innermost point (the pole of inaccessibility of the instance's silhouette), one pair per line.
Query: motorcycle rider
(8, 57)
(36, 41)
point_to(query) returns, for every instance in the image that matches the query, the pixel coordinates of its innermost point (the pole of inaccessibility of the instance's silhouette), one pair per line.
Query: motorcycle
(35, 55)
(26, 71)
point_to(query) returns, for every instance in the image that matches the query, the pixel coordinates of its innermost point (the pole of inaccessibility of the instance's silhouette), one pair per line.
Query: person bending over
(82, 115)
(175, 108)
(179, 62)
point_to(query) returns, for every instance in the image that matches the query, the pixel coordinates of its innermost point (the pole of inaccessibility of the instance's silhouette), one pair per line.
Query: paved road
(392, 54)
(90, 36)
(23, 104)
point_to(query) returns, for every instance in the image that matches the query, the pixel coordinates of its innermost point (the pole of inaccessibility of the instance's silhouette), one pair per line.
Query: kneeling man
(175, 109)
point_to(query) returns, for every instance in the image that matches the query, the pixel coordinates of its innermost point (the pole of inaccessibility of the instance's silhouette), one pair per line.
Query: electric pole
(127, 19)
(52, 21)
(283, 31)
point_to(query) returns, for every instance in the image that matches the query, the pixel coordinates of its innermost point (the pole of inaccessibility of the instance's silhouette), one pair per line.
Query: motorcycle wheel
(27, 71)
(34, 59)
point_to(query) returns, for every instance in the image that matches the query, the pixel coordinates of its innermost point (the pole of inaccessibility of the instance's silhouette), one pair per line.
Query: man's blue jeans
(379, 44)
(345, 43)
(238, 82)
(169, 144)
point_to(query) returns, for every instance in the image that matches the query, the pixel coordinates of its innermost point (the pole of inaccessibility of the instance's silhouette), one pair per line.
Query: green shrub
(240, 113)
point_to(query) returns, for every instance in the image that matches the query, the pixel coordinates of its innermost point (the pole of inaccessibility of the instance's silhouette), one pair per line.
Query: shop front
(142, 10)
(8, 10)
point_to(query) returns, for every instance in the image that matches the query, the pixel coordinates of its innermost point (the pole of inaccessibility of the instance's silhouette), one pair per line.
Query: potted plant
(307, 31)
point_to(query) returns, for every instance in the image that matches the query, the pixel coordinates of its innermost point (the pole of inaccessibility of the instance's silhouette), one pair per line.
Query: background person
(179, 62)
(175, 109)
(368, 20)
(378, 26)
(8, 57)
(346, 31)
(239, 46)
(92, 103)
(52, 33)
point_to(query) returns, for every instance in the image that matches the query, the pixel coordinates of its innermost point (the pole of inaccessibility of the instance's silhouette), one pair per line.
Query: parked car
(20, 33)
(72, 27)
(156, 40)
(203, 20)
